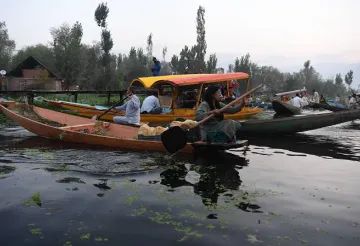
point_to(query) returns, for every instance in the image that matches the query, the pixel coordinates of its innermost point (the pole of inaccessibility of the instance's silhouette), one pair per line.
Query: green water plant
(34, 200)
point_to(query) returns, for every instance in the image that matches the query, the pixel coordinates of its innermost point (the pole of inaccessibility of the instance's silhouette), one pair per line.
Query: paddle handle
(230, 104)
(113, 106)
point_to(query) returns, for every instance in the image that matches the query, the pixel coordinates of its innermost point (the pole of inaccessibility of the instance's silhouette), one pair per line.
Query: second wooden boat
(283, 108)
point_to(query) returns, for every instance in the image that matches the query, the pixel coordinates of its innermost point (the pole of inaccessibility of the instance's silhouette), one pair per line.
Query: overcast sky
(323, 30)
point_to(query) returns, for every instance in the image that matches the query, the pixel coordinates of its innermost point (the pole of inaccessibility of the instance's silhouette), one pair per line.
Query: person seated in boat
(151, 104)
(305, 100)
(217, 129)
(337, 99)
(132, 109)
(316, 97)
(297, 101)
(157, 67)
(322, 99)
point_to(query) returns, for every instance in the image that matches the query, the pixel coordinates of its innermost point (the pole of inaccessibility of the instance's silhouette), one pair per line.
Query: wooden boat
(261, 105)
(294, 124)
(172, 93)
(283, 108)
(85, 131)
(327, 106)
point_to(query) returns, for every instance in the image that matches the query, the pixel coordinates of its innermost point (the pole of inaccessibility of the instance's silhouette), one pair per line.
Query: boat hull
(282, 108)
(294, 124)
(327, 107)
(121, 136)
(186, 114)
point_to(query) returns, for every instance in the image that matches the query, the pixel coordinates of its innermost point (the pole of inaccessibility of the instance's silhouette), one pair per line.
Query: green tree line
(96, 67)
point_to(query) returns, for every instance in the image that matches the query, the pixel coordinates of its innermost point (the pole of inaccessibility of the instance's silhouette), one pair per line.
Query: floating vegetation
(65, 166)
(131, 199)
(67, 243)
(34, 200)
(85, 236)
(253, 239)
(6, 169)
(100, 239)
(35, 231)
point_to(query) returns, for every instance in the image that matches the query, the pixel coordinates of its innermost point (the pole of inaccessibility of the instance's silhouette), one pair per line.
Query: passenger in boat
(151, 104)
(157, 67)
(337, 99)
(132, 110)
(353, 102)
(297, 101)
(316, 97)
(322, 99)
(305, 100)
(217, 129)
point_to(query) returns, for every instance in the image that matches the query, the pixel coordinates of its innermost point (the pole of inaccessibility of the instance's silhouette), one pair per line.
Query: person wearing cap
(157, 67)
(217, 129)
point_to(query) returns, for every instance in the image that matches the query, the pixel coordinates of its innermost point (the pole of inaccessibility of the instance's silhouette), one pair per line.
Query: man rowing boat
(217, 129)
(132, 110)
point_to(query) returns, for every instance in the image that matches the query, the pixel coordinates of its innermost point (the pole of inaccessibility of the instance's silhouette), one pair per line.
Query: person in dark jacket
(157, 67)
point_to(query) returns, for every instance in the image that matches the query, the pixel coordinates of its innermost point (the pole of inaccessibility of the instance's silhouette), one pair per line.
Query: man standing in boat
(132, 110)
(157, 67)
(316, 97)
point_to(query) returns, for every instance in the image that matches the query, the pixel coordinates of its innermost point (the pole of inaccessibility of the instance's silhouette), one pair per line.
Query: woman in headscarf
(217, 129)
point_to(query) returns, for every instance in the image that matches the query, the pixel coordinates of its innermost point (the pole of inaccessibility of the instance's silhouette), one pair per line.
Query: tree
(7, 46)
(165, 66)
(211, 64)
(200, 47)
(349, 78)
(338, 79)
(68, 52)
(101, 14)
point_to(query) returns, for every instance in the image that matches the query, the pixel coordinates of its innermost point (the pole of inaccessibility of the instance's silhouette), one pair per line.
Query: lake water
(294, 190)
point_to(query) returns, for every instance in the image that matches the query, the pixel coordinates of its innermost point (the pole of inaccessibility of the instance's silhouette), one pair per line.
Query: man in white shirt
(316, 97)
(297, 101)
(132, 110)
(305, 100)
(151, 105)
(353, 102)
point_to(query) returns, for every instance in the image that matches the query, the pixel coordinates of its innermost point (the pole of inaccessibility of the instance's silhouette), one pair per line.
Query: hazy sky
(268, 30)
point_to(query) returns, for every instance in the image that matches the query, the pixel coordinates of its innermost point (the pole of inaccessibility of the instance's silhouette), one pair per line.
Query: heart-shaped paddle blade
(174, 139)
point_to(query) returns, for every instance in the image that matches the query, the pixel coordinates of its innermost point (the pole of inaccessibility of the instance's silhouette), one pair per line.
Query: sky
(282, 33)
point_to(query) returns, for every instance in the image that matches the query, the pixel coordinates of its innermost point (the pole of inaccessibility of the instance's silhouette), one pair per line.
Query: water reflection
(319, 145)
(212, 176)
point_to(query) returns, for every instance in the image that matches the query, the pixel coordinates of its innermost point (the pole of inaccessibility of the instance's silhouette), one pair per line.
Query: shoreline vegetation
(96, 67)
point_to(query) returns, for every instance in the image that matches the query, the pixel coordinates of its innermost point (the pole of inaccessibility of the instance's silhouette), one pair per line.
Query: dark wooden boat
(294, 124)
(282, 108)
(326, 106)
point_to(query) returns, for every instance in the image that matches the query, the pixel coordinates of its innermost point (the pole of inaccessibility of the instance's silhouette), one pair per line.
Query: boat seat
(165, 101)
(84, 126)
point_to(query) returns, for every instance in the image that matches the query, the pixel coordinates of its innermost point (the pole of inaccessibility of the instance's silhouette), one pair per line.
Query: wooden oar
(113, 106)
(175, 138)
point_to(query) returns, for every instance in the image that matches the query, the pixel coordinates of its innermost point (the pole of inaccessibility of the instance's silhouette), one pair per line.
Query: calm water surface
(295, 190)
